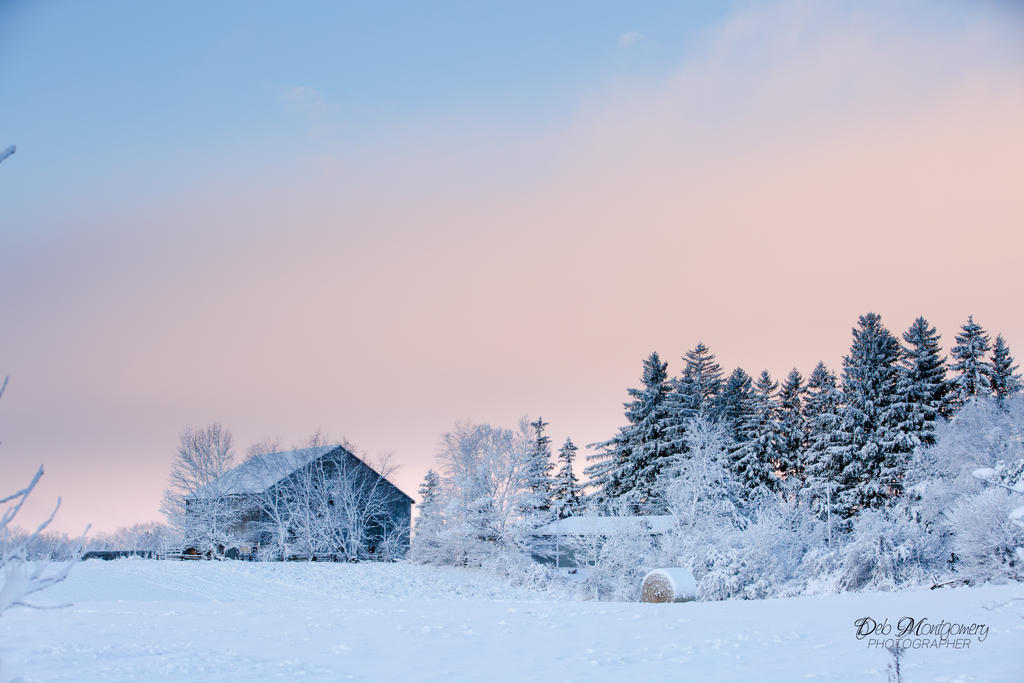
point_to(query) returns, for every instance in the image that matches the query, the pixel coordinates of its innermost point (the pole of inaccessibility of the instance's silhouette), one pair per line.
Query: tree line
(816, 477)
(837, 440)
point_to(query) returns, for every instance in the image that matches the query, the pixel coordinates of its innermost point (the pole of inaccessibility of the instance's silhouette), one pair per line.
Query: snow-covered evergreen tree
(756, 457)
(867, 431)
(972, 369)
(627, 466)
(568, 494)
(1006, 380)
(734, 405)
(426, 541)
(698, 385)
(921, 389)
(538, 470)
(792, 427)
(823, 462)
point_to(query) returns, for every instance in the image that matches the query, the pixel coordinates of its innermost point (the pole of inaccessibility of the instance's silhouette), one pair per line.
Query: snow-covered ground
(135, 620)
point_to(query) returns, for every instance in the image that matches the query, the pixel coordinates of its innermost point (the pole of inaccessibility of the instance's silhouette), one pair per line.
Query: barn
(321, 503)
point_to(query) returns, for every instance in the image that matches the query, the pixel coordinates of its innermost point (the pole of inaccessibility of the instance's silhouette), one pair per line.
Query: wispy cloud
(304, 99)
(311, 106)
(630, 39)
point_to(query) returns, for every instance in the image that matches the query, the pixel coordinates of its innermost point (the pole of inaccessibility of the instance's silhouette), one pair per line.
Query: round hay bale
(672, 584)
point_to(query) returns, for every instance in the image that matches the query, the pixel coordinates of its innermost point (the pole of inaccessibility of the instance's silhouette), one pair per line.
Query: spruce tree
(921, 389)
(867, 427)
(755, 459)
(538, 469)
(568, 495)
(627, 465)
(699, 384)
(426, 542)
(1005, 379)
(971, 368)
(734, 404)
(792, 427)
(823, 461)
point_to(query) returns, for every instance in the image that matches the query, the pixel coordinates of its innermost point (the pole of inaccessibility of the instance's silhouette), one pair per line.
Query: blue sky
(106, 98)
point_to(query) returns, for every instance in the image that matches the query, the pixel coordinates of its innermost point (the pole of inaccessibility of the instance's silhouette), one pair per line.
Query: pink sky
(797, 170)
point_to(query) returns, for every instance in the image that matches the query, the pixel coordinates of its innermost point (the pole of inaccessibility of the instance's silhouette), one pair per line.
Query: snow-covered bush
(886, 548)
(967, 517)
(987, 540)
(614, 564)
(763, 555)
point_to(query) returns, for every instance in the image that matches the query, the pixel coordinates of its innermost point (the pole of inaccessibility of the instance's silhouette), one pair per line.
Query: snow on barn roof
(259, 473)
(592, 525)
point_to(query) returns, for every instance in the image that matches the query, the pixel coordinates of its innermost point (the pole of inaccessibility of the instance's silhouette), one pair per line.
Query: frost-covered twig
(22, 578)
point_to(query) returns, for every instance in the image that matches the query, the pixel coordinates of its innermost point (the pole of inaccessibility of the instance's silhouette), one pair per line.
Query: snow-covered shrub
(886, 548)
(521, 570)
(764, 556)
(966, 518)
(987, 540)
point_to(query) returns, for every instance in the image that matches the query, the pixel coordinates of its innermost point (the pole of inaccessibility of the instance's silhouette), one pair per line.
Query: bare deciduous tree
(485, 491)
(335, 507)
(265, 446)
(189, 504)
(327, 507)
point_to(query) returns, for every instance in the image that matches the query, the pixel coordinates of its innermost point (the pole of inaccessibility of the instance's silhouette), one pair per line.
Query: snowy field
(135, 620)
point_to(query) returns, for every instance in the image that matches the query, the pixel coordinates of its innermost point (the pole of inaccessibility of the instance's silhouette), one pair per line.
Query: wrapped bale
(672, 584)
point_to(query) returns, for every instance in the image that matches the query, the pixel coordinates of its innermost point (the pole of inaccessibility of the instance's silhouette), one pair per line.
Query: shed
(559, 538)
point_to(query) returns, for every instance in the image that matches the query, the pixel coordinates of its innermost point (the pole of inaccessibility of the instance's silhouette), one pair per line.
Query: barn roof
(593, 525)
(261, 472)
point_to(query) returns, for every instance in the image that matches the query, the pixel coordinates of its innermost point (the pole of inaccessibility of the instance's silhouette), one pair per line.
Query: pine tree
(1005, 379)
(823, 462)
(627, 466)
(734, 404)
(867, 427)
(538, 469)
(921, 389)
(568, 495)
(792, 427)
(973, 371)
(755, 459)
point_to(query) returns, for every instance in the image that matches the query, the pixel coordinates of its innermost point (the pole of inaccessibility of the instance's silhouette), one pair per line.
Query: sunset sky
(381, 220)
